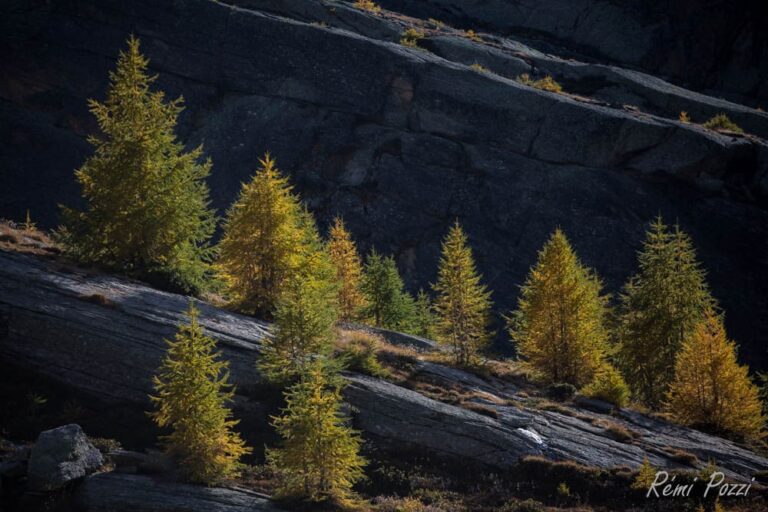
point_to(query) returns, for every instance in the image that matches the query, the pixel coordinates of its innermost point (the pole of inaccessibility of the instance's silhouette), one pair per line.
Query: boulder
(59, 456)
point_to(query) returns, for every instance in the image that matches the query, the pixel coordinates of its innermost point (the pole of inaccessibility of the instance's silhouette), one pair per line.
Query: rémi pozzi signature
(664, 487)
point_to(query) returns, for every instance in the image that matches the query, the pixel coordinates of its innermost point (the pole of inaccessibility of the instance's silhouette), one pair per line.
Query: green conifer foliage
(389, 305)
(192, 396)
(560, 323)
(463, 304)
(146, 199)
(659, 307)
(306, 311)
(263, 241)
(319, 458)
(424, 318)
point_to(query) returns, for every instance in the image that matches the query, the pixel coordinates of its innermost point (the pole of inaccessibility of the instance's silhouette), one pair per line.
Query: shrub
(545, 84)
(411, 38)
(99, 299)
(561, 391)
(608, 385)
(722, 122)
(367, 5)
(684, 117)
(645, 476)
(472, 35)
(479, 68)
(563, 489)
(359, 354)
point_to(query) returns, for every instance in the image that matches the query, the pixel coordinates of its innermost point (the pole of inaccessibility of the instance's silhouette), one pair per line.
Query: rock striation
(117, 492)
(109, 349)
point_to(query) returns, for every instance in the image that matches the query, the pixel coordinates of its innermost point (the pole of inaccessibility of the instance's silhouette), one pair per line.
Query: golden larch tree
(192, 393)
(319, 458)
(462, 304)
(306, 311)
(710, 388)
(146, 201)
(560, 323)
(262, 241)
(349, 269)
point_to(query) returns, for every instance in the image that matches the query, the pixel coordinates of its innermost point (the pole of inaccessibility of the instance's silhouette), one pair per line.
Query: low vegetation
(412, 37)
(367, 5)
(480, 68)
(722, 122)
(545, 84)
(473, 36)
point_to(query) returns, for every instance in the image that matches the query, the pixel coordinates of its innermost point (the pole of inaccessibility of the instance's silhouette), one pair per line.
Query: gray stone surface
(59, 456)
(115, 492)
(110, 353)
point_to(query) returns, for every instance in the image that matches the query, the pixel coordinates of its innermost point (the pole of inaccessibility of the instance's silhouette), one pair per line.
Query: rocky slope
(401, 141)
(102, 338)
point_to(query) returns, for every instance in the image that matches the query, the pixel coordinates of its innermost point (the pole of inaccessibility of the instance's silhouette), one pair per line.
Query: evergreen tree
(319, 457)
(192, 395)
(559, 325)
(710, 387)
(306, 311)
(262, 242)
(146, 199)
(659, 307)
(463, 304)
(389, 305)
(348, 271)
(424, 318)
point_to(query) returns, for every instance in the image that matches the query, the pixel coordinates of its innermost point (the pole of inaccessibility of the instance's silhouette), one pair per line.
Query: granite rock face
(721, 48)
(60, 456)
(117, 492)
(53, 329)
(402, 141)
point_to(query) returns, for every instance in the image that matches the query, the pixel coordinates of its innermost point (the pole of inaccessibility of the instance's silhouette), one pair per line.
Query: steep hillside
(98, 339)
(401, 141)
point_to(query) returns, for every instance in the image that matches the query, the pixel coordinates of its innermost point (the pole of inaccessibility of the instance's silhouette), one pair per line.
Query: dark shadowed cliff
(402, 141)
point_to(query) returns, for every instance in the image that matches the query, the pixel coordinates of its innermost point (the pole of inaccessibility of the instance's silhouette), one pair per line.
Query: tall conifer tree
(319, 457)
(147, 210)
(349, 271)
(659, 307)
(560, 323)
(424, 318)
(389, 305)
(710, 387)
(263, 241)
(463, 304)
(306, 310)
(192, 396)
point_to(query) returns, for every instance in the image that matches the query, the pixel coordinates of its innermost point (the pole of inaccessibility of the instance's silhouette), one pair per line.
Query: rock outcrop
(402, 141)
(102, 336)
(59, 456)
(115, 492)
